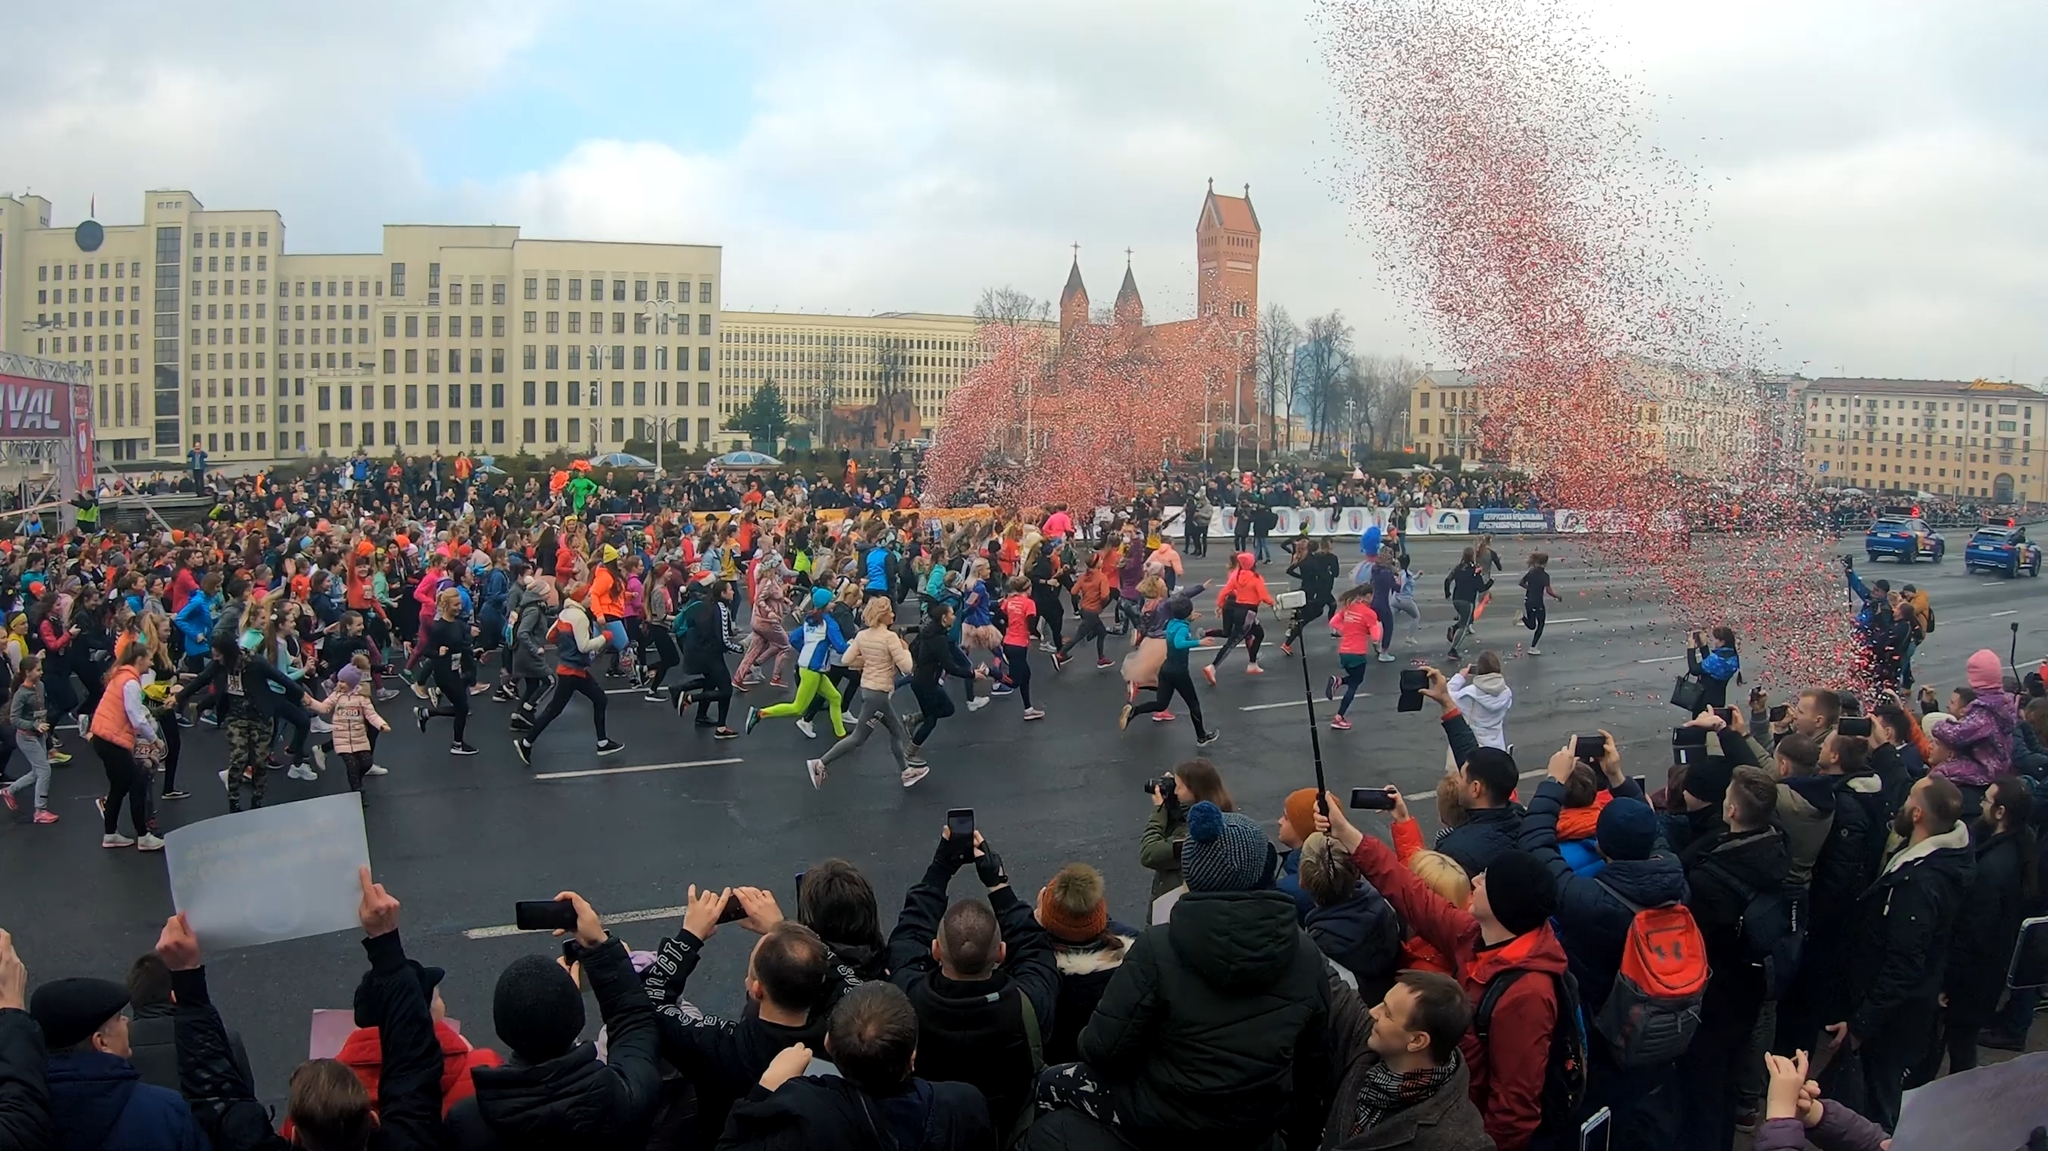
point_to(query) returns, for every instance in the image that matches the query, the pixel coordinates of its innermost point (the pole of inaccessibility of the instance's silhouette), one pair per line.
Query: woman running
(1173, 674)
(660, 634)
(1383, 584)
(705, 644)
(1535, 585)
(1241, 597)
(820, 639)
(878, 654)
(770, 641)
(933, 654)
(978, 632)
(449, 649)
(1358, 629)
(576, 643)
(1018, 610)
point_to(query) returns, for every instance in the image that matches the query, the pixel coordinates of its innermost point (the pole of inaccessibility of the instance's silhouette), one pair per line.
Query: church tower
(1073, 300)
(1130, 309)
(1227, 256)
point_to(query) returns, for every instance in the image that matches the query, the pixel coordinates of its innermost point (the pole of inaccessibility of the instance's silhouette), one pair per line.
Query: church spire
(1074, 297)
(1130, 307)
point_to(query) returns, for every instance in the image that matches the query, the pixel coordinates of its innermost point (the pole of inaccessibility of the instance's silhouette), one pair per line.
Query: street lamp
(596, 389)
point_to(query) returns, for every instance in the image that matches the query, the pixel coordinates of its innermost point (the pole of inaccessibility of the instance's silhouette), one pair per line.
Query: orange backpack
(1653, 1011)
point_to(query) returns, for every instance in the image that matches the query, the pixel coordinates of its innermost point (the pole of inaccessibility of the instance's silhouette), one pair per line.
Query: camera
(1589, 748)
(1161, 786)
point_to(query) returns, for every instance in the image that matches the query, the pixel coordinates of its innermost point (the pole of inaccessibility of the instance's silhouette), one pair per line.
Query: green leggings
(808, 684)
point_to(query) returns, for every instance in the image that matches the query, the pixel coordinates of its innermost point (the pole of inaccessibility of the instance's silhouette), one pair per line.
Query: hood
(1489, 683)
(1758, 858)
(1538, 951)
(1658, 879)
(1244, 561)
(1235, 940)
(1807, 796)
(549, 1104)
(1956, 838)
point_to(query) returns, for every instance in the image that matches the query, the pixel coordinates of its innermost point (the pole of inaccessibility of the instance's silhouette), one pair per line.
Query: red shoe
(45, 816)
(1209, 673)
(1339, 723)
(1286, 649)
(1162, 717)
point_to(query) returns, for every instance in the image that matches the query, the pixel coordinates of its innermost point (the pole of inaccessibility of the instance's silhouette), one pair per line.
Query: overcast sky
(1877, 171)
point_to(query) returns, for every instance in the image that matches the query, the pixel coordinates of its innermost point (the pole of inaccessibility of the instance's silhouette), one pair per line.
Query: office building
(1950, 437)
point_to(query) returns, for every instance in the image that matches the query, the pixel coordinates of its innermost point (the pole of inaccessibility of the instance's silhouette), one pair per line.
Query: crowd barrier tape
(1348, 521)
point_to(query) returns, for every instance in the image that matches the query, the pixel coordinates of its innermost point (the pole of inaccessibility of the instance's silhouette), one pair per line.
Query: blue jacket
(1288, 879)
(1486, 832)
(1361, 934)
(194, 621)
(99, 1101)
(877, 567)
(1180, 640)
(497, 586)
(817, 641)
(1722, 663)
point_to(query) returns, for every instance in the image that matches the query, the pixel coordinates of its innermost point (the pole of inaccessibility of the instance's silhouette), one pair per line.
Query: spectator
(1351, 924)
(1159, 851)
(1212, 1029)
(362, 1052)
(835, 900)
(1401, 1079)
(1297, 823)
(982, 978)
(97, 1098)
(1486, 787)
(1483, 694)
(1896, 956)
(1796, 1113)
(1088, 947)
(1978, 742)
(152, 1025)
(25, 1112)
(1504, 937)
(2007, 880)
(874, 1100)
(553, 1092)
(1714, 665)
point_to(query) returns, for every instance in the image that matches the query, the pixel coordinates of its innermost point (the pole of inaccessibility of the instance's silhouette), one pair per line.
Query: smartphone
(1589, 748)
(1726, 714)
(1688, 746)
(800, 886)
(733, 910)
(1597, 1132)
(1779, 712)
(1413, 681)
(1371, 799)
(1642, 785)
(1854, 725)
(544, 915)
(960, 824)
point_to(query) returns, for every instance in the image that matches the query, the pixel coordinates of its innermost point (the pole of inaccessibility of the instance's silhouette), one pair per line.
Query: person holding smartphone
(1714, 665)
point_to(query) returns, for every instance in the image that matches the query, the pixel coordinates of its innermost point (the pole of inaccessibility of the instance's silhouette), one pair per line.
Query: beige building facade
(1951, 437)
(203, 328)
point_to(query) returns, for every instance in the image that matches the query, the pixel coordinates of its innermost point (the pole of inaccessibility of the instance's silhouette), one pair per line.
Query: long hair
(1205, 782)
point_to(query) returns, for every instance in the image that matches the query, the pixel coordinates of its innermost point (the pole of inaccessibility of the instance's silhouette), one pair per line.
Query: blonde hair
(1450, 801)
(1076, 889)
(879, 612)
(1443, 875)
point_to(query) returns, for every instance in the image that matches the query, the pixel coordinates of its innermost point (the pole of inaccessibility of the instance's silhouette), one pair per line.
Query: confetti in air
(1498, 164)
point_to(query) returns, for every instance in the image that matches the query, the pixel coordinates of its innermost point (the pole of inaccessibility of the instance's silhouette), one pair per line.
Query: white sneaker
(149, 842)
(223, 777)
(373, 769)
(1386, 657)
(816, 769)
(320, 726)
(977, 704)
(116, 839)
(912, 774)
(1535, 651)
(301, 771)
(1033, 713)
(804, 725)
(320, 757)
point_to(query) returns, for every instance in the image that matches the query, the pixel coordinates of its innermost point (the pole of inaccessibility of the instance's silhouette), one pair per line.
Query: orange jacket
(607, 597)
(110, 718)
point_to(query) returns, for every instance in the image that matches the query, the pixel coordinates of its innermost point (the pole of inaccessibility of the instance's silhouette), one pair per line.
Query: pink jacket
(1358, 628)
(1981, 738)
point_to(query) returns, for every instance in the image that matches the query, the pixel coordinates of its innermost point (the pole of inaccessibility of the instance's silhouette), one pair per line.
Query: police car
(1901, 534)
(2001, 545)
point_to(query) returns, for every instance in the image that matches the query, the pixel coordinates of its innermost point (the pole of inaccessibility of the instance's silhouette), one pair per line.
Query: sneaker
(1162, 717)
(7, 797)
(176, 795)
(609, 746)
(1060, 662)
(376, 769)
(100, 805)
(725, 733)
(1330, 688)
(420, 714)
(1208, 739)
(210, 719)
(1001, 689)
(1286, 649)
(978, 703)
(658, 695)
(1048, 647)
(59, 757)
(1339, 723)
(1123, 718)
(44, 816)
(419, 689)
(223, 773)
(479, 689)
(300, 771)
(116, 839)
(776, 682)
(384, 694)
(913, 773)
(815, 768)
(184, 720)
(460, 749)
(1209, 673)
(500, 695)
(1104, 663)
(148, 842)
(320, 726)
(1386, 657)
(1535, 651)
(804, 725)
(753, 719)
(525, 749)
(1033, 713)
(519, 722)
(1254, 669)
(320, 758)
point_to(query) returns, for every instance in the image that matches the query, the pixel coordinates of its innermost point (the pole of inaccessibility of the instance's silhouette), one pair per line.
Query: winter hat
(349, 674)
(1075, 884)
(536, 1008)
(69, 1010)
(1706, 780)
(1520, 890)
(1225, 851)
(1301, 812)
(1984, 671)
(821, 598)
(1628, 828)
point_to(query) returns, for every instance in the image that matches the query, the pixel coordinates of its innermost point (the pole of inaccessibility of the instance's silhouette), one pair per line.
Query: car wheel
(1873, 557)
(1939, 554)
(2012, 571)
(2034, 569)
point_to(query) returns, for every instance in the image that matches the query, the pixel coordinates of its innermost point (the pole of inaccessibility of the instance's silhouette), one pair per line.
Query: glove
(990, 868)
(946, 856)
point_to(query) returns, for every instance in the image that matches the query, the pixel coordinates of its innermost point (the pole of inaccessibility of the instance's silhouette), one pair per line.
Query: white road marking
(642, 916)
(1293, 703)
(1996, 614)
(1661, 659)
(635, 770)
(1573, 619)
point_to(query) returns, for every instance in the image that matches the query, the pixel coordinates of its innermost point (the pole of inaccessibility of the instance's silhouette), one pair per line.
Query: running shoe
(609, 746)
(1060, 662)
(1001, 689)
(804, 725)
(1033, 713)
(1286, 649)
(519, 722)
(320, 757)
(1339, 723)
(978, 703)
(1163, 717)
(1535, 651)
(59, 757)
(1048, 647)
(725, 733)
(177, 795)
(1254, 669)
(525, 749)
(7, 797)
(500, 695)
(460, 749)
(657, 695)
(816, 769)
(116, 839)
(1330, 688)
(753, 718)
(376, 769)
(479, 688)
(44, 816)
(149, 842)
(1209, 673)
(384, 694)
(1123, 719)
(420, 715)
(184, 720)
(1386, 657)
(776, 682)
(1208, 739)
(209, 719)
(100, 805)
(419, 689)
(913, 773)
(300, 771)
(1103, 663)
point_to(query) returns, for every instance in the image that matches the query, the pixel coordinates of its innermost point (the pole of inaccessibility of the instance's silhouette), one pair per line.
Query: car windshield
(1895, 525)
(1990, 536)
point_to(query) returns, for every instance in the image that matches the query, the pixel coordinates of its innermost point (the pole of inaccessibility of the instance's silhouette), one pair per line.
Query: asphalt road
(459, 840)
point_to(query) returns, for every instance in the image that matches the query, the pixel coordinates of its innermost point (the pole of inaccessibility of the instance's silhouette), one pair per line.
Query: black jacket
(184, 1047)
(1715, 871)
(1362, 935)
(573, 1101)
(256, 675)
(1085, 971)
(932, 653)
(1211, 1033)
(1486, 832)
(827, 1113)
(1466, 583)
(973, 1031)
(1849, 859)
(1898, 941)
(25, 1122)
(1986, 927)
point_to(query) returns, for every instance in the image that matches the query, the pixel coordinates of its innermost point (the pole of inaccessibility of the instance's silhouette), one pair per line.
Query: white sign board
(281, 872)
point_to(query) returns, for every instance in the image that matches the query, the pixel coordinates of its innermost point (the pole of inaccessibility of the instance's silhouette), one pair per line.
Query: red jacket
(1507, 1075)
(363, 1053)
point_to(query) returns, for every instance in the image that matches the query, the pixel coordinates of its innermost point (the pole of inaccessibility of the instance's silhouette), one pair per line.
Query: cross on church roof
(1127, 257)
(1077, 253)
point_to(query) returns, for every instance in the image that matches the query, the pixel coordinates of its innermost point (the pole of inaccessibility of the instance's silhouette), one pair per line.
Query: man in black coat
(1723, 874)
(1842, 873)
(874, 1102)
(554, 1093)
(25, 1121)
(1898, 945)
(1987, 926)
(982, 978)
(1487, 778)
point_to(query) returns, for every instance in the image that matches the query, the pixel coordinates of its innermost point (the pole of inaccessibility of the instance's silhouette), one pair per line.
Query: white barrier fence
(1420, 522)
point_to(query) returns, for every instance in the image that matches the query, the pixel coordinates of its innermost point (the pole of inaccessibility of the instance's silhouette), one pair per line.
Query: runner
(1242, 595)
(1018, 610)
(820, 640)
(1358, 628)
(576, 642)
(1463, 587)
(1535, 585)
(1173, 674)
(878, 654)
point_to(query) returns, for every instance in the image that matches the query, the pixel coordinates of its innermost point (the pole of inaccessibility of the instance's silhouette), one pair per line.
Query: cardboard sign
(276, 873)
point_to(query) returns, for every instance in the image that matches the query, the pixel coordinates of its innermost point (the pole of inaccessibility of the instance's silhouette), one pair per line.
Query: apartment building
(450, 338)
(1949, 437)
(1445, 408)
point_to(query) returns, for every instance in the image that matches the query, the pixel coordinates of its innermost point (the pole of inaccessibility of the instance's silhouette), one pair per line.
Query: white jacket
(1485, 700)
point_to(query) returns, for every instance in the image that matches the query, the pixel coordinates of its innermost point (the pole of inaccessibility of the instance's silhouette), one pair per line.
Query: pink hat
(1984, 672)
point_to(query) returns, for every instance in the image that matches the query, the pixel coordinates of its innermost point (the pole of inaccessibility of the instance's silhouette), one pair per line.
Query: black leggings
(1052, 616)
(1091, 628)
(1240, 623)
(173, 745)
(454, 698)
(566, 686)
(125, 778)
(1171, 680)
(933, 705)
(717, 688)
(1536, 615)
(1019, 661)
(665, 656)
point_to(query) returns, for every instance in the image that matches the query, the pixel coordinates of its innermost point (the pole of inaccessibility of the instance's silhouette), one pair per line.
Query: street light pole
(1237, 400)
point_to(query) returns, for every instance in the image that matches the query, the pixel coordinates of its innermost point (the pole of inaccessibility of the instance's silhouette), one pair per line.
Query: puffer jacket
(1839, 1129)
(1362, 935)
(879, 654)
(1981, 738)
(1485, 700)
(1898, 941)
(1211, 1032)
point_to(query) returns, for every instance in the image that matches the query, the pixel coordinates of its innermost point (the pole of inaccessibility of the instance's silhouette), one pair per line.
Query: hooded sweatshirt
(1245, 588)
(1485, 699)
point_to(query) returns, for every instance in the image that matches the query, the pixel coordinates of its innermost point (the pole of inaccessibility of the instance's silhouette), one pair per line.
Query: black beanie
(537, 1010)
(1707, 780)
(1520, 890)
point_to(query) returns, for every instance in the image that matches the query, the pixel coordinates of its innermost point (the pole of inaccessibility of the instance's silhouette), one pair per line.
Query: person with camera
(981, 977)
(1713, 667)
(1486, 781)
(1172, 794)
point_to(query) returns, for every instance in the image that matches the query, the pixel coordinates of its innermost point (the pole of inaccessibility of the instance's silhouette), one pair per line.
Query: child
(355, 713)
(30, 717)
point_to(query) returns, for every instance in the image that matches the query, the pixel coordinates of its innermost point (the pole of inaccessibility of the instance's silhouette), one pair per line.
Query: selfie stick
(1308, 695)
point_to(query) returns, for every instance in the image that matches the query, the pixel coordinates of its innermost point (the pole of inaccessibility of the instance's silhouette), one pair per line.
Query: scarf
(1385, 1091)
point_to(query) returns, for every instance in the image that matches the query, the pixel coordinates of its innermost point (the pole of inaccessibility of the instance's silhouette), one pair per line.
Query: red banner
(38, 409)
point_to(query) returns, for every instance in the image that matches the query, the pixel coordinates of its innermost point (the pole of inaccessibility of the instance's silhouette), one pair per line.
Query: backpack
(1772, 927)
(680, 625)
(1564, 1067)
(1654, 1009)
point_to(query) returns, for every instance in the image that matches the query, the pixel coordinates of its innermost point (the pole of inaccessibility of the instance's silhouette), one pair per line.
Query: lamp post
(596, 387)
(1237, 399)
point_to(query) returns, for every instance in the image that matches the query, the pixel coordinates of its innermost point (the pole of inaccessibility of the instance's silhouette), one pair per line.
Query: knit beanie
(1069, 928)
(1520, 890)
(1225, 851)
(536, 1008)
(1301, 812)
(1628, 828)
(1708, 779)
(1984, 671)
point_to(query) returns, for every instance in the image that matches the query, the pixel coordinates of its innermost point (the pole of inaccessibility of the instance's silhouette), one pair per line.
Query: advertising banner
(1289, 520)
(1322, 522)
(36, 409)
(1507, 521)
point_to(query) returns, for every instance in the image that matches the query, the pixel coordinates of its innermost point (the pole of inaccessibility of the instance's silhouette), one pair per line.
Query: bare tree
(1321, 368)
(1007, 305)
(1274, 366)
(1378, 391)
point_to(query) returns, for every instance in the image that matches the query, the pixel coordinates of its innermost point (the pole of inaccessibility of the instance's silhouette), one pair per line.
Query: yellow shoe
(59, 758)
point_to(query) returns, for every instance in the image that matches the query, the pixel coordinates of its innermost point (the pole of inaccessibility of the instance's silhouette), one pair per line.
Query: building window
(554, 357)
(576, 430)
(639, 358)
(530, 322)
(497, 395)
(526, 391)
(704, 358)
(498, 360)
(575, 292)
(532, 287)
(704, 319)
(554, 396)
(639, 391)
(527, 357)
(553, 426)
(397, 282)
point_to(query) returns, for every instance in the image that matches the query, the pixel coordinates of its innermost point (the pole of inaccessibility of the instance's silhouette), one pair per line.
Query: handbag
(1689, 693)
